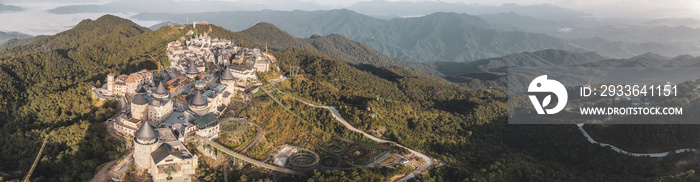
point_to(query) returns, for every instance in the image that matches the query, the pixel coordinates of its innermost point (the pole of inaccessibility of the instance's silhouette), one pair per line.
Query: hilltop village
(165, 110)
(192, 94)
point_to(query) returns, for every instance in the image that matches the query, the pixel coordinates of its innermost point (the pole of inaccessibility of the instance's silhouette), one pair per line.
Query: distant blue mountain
(438, 37)
(10, 8)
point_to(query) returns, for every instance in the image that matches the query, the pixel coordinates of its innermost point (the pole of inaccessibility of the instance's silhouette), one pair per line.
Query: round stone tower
(138, 107)
(110, 83)
(199, 104)
(161, 92)
(192, 71)
(145, 142)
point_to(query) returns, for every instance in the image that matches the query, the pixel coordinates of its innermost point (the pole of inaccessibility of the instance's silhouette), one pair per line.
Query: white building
(262, 66)
(243, 73)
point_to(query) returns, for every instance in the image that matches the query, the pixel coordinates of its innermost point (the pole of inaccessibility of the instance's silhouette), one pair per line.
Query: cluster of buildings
(163, 153)
(161, 125)
(127, 84)
(193, 55)
(197, 51)
(254, 58)
(160, 133)
(161, 115)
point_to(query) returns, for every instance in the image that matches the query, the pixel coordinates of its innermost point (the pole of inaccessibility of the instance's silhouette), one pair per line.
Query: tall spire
(227, 74)
(192, 69)
(161, 89)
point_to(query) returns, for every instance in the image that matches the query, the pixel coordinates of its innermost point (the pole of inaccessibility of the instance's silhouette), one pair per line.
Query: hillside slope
(45, 86)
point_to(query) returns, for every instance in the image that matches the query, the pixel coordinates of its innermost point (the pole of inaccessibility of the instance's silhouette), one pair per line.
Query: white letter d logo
(540, 92)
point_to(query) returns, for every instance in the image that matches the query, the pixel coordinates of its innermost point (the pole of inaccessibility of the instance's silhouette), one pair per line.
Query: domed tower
(138, 107)
(227, 78)
(199, 104)
(145, 142)
(161, 92)
(192, 71)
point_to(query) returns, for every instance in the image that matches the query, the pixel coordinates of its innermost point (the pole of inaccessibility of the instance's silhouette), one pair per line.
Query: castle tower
(199, 104)
(110, 84)
(138, 107)
(227, 78)
(161, 92)
(192, 71)
(145, 142)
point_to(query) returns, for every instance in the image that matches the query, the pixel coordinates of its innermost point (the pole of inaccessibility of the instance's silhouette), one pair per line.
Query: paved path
(420, 169)
(109, 169)
(250, 160)
(618, 150)
(277, 80)
(258, 137)
(104, 173)
(122, 101)
(275, 99)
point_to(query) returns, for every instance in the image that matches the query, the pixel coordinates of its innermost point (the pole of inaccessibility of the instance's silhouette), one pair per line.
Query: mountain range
(390, 9)
(5, 36)
(9, 8)
(438, 37)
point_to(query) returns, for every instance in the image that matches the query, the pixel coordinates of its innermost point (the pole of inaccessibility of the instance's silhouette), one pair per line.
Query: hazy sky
(35, 20)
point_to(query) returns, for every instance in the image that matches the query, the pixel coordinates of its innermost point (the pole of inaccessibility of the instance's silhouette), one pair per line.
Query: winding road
(618, 150)
(428, 162)
(425, 166)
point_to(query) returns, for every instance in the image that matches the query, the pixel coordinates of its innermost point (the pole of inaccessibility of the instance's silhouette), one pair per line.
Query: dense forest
(45, 90)
(45, 86)
(466, 129)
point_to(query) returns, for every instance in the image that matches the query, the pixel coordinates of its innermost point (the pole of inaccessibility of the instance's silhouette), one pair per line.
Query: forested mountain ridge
(490, 73)
(5, 36)
(45, 86)
(266, 34)
(543, 58)
(340, 47)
